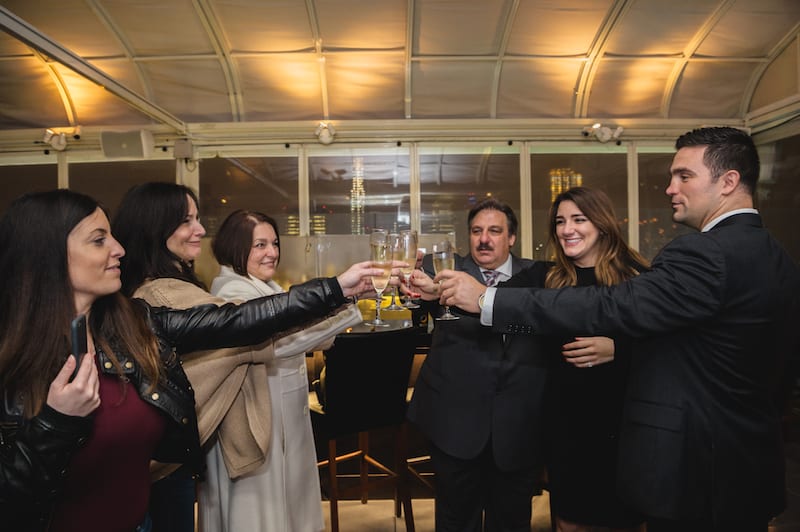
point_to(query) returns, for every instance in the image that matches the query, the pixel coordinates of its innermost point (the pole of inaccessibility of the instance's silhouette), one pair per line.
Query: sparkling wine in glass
(443, 259)
(408, 243)
(397, 254)
(381, 257)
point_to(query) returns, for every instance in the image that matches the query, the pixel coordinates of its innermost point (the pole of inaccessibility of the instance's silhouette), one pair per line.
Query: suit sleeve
(686, 285)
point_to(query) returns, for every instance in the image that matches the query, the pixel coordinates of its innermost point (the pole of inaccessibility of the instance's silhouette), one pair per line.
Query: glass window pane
(358, 190)
(108, 182)
(778, 192)
(18, 180)
(265, 184)
(454, 179)
(656, 227)
(552, 173)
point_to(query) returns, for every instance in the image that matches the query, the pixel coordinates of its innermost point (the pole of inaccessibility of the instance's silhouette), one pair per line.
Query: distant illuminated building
(318, 224)
(563, 179)
(357, 198)
(293, 225)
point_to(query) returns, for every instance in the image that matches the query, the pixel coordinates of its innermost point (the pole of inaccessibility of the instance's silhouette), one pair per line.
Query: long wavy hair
(37, 300)
(616, 261)
(146, 218)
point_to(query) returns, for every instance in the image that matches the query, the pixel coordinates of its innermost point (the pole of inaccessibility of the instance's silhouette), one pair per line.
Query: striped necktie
(491, 277)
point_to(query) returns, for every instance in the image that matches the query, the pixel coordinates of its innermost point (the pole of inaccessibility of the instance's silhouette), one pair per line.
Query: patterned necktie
(491, 277)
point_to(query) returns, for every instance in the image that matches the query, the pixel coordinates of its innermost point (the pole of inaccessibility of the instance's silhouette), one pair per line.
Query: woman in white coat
(283, 495)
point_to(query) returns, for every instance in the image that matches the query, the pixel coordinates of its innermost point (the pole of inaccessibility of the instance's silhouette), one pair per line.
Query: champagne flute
(443, 259)
(381, 257)
(396, 246)
(408, 243)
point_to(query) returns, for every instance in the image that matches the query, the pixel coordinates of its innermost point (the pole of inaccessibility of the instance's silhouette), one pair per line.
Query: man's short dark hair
(491, 203)
(727, 148)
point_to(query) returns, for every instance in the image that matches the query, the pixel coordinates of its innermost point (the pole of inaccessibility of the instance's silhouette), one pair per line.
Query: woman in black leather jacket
(74, 453)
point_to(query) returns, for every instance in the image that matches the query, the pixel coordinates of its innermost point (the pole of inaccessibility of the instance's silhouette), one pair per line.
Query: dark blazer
(701, 434)
(473, 387)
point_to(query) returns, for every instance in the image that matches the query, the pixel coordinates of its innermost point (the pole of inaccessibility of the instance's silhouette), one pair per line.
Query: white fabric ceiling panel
(694, 100)
(281, 87)
(10, 47)
(629, 88)
(185, 61)
(69, 21)
(656, 27)
(781, 80)
(762, 24)
(273, 26)
(556, 28)
(93, 105)
(156, 27)
(471, 27)
(192, 89)
(537, 88)
(33, 90)
(362, 24)
(452, 89)
(366, 85)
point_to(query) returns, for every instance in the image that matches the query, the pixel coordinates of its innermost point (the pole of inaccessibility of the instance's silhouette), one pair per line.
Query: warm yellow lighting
(563, 179)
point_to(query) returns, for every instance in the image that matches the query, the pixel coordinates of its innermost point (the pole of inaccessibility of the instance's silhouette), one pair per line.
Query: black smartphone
(79, 343)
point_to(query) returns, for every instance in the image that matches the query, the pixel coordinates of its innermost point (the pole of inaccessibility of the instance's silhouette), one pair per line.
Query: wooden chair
(364, 387)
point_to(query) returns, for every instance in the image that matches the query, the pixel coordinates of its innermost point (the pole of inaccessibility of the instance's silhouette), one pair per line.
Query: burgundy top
(108, 480)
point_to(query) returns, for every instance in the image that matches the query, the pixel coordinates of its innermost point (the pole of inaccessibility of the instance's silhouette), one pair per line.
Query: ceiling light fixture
(325, 133)
(603, 133)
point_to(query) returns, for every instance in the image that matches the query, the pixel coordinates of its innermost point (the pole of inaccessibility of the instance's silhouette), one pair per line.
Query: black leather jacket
(35, 453)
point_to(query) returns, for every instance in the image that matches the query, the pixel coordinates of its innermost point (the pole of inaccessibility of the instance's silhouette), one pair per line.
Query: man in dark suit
(701, 444)
(477, 402)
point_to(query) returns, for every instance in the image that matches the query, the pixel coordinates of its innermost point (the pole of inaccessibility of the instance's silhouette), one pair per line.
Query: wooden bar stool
(364, 388)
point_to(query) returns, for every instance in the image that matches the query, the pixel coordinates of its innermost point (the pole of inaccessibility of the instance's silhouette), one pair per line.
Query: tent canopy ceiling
(174, 63)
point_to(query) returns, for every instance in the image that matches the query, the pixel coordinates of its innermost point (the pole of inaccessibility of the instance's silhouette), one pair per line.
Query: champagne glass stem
(409, 301)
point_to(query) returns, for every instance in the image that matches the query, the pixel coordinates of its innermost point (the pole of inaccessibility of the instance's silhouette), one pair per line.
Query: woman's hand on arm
(586, 352)
(80, 397)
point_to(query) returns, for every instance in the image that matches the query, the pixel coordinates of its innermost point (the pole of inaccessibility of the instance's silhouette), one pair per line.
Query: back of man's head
(727, 148)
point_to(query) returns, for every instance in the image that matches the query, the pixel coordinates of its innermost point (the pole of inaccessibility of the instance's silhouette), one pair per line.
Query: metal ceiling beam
(313, 22)
(409, 53)
(119, 35)
(791, 38)
(24, 32)
(688, 52)
(511, 16)
(63, 92)
(220, 44)
(596, 51)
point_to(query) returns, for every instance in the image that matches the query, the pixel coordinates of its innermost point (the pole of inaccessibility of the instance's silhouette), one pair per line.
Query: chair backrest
(366, 379)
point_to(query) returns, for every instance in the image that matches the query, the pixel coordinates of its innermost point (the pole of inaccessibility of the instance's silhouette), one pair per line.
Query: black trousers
(474, 495)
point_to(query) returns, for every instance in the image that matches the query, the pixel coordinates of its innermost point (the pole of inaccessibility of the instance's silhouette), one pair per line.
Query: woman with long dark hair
(76, 455)
(159, 224)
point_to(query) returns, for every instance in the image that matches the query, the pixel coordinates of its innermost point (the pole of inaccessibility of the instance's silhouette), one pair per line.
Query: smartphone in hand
(79, 342)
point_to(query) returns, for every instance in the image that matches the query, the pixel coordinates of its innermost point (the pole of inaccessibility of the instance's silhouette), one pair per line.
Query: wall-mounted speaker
(130, 144)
